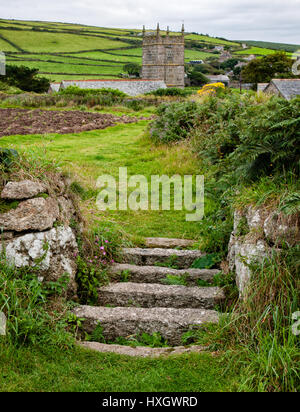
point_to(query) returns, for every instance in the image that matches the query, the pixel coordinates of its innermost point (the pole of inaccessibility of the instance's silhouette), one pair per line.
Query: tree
(277, 65)
(25, 79)
(229, 64)
(133, 69)
(197, 78)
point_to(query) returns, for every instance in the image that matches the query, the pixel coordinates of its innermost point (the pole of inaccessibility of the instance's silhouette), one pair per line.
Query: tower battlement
(163, 57)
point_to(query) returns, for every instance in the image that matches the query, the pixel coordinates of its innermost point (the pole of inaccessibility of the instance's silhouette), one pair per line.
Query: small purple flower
(101, 247)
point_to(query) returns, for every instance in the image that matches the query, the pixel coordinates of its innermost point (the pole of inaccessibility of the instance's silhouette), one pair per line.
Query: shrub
(133, 69)
(77, 91)
(35, 312)
(174, 122)
(25, 79)
(171, 91)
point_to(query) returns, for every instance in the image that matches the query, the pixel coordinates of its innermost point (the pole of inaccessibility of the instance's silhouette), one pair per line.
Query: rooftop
(288, 88)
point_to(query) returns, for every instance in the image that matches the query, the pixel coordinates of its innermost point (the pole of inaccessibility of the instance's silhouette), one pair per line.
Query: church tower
(163, 57)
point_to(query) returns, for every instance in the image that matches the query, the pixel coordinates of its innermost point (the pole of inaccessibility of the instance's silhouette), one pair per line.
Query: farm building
(286, 88)
(219, 78)
(130, 87)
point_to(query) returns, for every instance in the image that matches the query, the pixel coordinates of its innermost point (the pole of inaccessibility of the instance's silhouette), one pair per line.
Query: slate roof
(218, 78)
(288, 88)
(262, 86)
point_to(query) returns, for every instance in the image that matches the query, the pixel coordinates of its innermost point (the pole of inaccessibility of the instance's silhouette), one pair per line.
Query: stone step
(123, 322)
(182, 259)
(142, 351)
(162, 242)
(157, 274)
(163, 296)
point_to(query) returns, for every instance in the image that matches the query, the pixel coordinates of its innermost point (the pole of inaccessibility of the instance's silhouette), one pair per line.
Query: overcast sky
(269, 20)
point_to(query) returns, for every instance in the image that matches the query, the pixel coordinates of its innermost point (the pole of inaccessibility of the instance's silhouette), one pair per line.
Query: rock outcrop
(36, 232)
(256, 233)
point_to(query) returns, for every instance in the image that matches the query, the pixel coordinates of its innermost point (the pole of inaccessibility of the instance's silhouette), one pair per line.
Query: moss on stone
(7, 205)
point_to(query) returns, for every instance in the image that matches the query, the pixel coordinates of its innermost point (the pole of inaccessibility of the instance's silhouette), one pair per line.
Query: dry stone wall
(257, 232)
(36, 232)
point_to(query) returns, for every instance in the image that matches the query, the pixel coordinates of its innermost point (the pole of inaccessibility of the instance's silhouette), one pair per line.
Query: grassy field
(111, 48)
(79, 370)
(103, 152)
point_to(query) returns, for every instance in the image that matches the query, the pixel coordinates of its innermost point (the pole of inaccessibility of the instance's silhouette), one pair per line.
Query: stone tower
(163, 57)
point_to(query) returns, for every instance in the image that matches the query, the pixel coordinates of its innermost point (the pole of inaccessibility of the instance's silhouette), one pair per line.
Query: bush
(175, 121)
(25, 79)
(77, 91)
(248, 139)
(171, 91)
(34, 311)
(133, 69)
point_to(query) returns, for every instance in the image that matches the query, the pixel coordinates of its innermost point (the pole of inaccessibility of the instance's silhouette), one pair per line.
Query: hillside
(72, 51)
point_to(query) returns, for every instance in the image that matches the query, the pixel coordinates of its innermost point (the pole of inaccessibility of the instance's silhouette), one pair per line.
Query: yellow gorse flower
(211, 88)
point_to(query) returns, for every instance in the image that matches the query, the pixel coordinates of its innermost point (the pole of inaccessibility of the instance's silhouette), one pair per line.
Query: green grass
(54, 42)
(103, 152)
(79, 370)
(258, 51)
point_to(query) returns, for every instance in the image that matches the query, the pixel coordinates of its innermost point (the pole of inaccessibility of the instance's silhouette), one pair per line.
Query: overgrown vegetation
(24, 78)
(248, 149)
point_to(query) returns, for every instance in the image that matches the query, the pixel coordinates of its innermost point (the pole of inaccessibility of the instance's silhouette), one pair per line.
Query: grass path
(81, 370)
(91, 154)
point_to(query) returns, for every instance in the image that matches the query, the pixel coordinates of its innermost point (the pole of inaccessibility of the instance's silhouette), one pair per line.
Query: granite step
(152, 295)
(142, 351)
(157, 274)
(162, 242)
(126, 321)
(182, 259)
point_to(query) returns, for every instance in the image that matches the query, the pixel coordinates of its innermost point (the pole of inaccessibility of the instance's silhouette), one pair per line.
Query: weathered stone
(66, 210)
(281, 229)
(181, 258)
(255, 218)
(245, 253)
(6, 235)
(157, 274)
(142, 351)
(33, 214)
(264, 225)
(159, 242)
(53, 252)
(25, 189)
(154, 295)
(121, 322)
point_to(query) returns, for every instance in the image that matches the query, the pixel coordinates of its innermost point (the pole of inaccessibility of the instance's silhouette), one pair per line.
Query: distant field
(275, 46)
(67, 51)
(258, 51)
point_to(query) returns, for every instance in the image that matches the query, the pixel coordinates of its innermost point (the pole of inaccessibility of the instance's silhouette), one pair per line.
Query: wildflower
(101, 247)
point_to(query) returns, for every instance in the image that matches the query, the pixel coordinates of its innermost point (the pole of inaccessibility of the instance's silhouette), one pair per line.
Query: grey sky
(269, 20)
